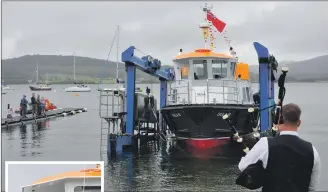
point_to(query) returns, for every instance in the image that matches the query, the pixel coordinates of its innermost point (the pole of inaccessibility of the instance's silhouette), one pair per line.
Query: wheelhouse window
(219, 68)
(233, 67)
(87, 189)
(184, 72)
(200, 69)
(246, 94)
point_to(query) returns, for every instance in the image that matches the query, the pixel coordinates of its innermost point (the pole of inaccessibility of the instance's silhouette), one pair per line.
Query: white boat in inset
(88, 180)
(77, 87)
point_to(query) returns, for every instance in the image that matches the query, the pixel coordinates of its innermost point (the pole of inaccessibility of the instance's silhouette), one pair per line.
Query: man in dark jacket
(23, 105)
(291, 164)
(34, 104)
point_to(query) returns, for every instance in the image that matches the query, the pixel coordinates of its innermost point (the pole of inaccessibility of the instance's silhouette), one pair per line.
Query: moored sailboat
(37, 86)
(77, 87)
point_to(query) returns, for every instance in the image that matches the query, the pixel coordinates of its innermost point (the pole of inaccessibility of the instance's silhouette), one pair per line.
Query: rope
(141, 51)
(110, 50)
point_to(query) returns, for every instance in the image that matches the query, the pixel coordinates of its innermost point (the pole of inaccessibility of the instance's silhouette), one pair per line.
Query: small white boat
(78, 88)
(5, 87)
(121, 88)
(85, 180)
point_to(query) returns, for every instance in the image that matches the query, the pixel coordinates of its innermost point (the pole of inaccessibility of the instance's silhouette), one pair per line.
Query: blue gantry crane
(151, 66)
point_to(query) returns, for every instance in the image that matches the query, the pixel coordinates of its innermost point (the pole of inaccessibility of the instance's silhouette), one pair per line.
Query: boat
(5, 87)
(121, 86)
(4, 90)
(84, 180)
(208, 86)
(37, 86)
(77, 87)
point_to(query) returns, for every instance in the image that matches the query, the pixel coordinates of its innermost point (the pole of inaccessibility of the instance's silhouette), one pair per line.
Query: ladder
(104, 138)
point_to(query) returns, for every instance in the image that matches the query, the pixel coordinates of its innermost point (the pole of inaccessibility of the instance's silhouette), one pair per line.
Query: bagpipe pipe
(278, 119)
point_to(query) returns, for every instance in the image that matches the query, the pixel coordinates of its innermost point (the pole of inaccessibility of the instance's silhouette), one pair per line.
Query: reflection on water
(161, 166)
(31, 137)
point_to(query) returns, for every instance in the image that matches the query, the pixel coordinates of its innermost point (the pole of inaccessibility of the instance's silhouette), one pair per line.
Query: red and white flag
(218, 24)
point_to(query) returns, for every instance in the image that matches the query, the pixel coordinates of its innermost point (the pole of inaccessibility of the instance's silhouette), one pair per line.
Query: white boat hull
(5, 88)
(77, 89)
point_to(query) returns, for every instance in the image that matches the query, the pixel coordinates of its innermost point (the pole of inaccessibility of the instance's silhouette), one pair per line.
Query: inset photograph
(54, 176)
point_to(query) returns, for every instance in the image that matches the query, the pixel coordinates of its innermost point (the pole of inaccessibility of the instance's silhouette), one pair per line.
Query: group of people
(38, 105)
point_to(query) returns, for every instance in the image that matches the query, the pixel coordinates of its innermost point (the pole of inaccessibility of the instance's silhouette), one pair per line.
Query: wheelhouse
(204, 77)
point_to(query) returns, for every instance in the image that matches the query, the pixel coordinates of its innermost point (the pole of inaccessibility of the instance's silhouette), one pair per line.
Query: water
(156, 168)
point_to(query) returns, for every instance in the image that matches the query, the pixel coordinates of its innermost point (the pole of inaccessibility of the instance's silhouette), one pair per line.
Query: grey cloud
(161, 28)
(298, 27)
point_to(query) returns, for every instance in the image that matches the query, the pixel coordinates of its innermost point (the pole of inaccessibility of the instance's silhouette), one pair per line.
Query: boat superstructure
(77, 87)
(207, 86)
(88, 180)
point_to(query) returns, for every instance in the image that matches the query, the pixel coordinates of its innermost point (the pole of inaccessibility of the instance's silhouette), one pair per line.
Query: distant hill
(310, 70)
(59, 69)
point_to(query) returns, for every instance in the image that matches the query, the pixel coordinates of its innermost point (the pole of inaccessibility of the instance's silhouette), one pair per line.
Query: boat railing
(215, 91)
(229, 93)
(178, 93)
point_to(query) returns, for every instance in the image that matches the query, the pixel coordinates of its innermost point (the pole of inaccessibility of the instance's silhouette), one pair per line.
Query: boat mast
(117, 54)
(74, 67)
(205, 26)
(37, 72)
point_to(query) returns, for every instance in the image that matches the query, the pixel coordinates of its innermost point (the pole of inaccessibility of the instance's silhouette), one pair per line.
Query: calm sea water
(158, 167)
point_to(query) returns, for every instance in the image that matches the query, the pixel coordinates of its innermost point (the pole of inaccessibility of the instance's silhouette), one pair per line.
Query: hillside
(59, 69)
(310, 70)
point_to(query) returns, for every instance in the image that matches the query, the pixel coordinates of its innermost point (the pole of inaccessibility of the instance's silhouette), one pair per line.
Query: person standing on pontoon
(43, 106)
(38, 105)
(34, 105)
(291, 164)
(23, 105)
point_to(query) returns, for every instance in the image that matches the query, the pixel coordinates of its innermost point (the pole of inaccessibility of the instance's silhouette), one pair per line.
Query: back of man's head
(291, 114)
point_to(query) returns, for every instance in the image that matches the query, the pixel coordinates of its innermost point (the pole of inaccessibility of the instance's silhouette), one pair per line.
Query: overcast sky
(20, 175)
(291, 30)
